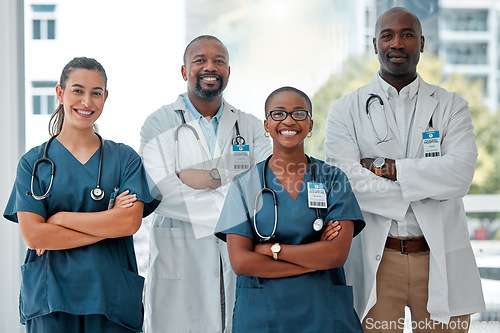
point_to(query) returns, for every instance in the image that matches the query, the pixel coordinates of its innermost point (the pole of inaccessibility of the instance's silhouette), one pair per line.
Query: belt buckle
(402, 245)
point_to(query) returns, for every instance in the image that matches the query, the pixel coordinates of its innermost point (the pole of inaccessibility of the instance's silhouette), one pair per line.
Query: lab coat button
(378, 257)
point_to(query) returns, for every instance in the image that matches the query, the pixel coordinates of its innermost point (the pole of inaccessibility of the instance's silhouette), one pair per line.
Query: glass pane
(51, 104)
(43, 84)
(43, 8)
(36, 29)
(36, 104)
(51, 29)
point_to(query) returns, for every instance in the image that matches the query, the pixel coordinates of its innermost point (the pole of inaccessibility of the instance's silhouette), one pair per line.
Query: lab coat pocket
(165, 253)
(33, 300)
(250, 311)
(345, 318)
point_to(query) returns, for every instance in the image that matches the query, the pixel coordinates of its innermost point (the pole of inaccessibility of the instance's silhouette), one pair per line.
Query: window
(44, 98)
(44, 23)
(465, 20)
(467, 54)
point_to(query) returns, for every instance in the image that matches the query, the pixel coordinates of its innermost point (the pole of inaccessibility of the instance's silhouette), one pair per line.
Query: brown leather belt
(407, 245)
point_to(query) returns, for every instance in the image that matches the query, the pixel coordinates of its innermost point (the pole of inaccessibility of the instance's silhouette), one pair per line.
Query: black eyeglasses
(279, 115)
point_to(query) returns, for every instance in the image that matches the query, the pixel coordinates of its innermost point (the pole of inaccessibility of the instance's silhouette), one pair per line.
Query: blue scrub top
(101, 278)
(314, 302)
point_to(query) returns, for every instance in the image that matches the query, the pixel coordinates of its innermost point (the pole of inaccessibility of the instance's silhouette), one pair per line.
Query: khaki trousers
(402, 280)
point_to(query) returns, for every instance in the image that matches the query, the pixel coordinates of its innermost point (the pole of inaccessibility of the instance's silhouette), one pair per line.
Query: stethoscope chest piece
(97, 193)
(318, 224)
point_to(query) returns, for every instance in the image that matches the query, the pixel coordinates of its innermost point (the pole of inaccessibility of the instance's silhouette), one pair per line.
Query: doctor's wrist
(389, 170)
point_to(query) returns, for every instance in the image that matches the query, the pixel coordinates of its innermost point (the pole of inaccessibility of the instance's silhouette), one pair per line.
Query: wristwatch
(214, 173)
(275, 249)
(378, 165)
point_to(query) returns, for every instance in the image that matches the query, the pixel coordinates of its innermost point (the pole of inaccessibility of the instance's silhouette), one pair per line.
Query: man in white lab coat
(190, 284)
(409, 151)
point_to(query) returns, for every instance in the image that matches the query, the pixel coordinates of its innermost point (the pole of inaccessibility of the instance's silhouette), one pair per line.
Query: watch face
(275, 248)
(379, 162)
(214, 173)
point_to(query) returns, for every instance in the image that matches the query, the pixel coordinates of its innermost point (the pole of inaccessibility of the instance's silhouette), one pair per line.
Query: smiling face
(398, 42)
(287, 133)
(83, 98)
(206, 69)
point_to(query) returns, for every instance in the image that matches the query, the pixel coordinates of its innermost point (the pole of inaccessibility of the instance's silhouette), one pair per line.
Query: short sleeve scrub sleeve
(101, 278)
(314, 302)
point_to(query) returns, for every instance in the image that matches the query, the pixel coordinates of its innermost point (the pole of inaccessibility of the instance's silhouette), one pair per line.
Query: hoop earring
(309, 134)
(266, 134)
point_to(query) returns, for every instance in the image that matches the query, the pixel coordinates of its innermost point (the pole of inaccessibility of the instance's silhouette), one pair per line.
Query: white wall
(11, 147)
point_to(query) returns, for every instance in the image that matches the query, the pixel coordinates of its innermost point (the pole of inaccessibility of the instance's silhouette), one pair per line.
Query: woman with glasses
(288, 261)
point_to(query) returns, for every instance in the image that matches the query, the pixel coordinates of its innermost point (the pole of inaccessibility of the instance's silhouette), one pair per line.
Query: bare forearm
(40, 235)
(387, 171)
(63, 239)
(111, 223)
(258, 265)
(319, 255)
(245, 261)
(198, 179)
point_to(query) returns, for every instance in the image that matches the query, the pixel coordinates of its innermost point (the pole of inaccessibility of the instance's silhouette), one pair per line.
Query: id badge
(432, 145)
(316, 195)
(241, 157)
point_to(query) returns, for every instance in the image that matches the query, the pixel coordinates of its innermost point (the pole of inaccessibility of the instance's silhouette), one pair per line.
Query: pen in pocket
(112, 198)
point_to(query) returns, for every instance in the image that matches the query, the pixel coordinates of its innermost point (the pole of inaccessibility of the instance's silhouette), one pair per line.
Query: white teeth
(288, 132)
(209, 78)
(86, 113)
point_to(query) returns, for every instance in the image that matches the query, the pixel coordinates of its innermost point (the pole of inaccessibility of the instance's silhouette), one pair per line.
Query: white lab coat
(432, 186)
(182, 292)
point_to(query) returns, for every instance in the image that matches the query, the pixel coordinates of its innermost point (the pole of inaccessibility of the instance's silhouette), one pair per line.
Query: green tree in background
(358, 72)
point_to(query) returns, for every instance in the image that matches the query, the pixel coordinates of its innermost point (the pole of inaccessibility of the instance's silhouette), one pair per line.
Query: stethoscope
(367, 108)
(237, 140)
(97, 193)
(318, 223)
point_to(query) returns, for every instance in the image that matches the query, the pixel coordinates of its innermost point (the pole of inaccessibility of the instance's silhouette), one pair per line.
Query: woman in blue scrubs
(80, 272)
(293, 282)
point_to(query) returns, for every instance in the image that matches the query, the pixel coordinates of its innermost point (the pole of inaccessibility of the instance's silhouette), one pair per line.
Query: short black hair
(202, 37)
(292, 89)
(400, 10)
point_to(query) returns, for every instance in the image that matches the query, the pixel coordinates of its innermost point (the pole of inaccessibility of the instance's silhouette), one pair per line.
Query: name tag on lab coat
(432, 144)
(240, 157)
(316, 195)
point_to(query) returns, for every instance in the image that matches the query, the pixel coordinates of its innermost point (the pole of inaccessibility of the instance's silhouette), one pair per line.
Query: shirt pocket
(165, 253)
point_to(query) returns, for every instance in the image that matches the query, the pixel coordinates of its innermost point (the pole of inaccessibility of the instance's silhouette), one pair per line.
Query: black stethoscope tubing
(318, 223)
(237, 140)
(97, 193)
(367, 108)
